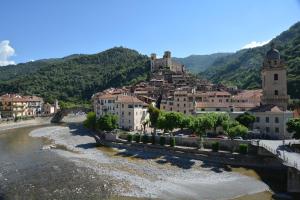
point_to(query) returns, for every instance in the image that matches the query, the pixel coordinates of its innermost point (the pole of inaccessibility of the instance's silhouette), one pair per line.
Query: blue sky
(35, 29)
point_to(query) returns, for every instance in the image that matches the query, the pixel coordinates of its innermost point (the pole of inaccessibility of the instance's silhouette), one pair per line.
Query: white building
(131, 111)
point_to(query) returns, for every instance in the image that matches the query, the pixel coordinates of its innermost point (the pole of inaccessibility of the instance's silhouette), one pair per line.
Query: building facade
(14, 105)
(272, 115)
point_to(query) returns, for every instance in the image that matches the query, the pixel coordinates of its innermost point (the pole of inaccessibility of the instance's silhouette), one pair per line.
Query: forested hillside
(75, 78)
(243, 67)
(199, 63)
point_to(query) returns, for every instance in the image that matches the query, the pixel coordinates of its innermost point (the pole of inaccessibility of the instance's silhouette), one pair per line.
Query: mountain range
(76, 77)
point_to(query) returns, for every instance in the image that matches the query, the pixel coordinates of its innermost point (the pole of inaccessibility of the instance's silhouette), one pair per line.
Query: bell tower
(274, 80)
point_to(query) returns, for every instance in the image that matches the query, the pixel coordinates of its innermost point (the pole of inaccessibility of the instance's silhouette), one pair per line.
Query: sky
(35, 29)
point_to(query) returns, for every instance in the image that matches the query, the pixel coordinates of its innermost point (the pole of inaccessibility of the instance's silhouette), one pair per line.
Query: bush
(145, 139)
(162, 140)
(172, 141)
(138, 138)
(215, 146)
(153, 139)
(243, 148)
(129, 138)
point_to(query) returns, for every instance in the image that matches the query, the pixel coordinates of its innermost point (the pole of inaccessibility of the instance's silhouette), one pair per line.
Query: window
(122, 113)
(276, 92)
(177, 99)
(129, 113)
(276, 130)
(171, 108)
(177, 105)
(164, 107)
(257, 119)
(267, 119)
(220, 100)
(218, 109)
(130, 106)
(267, 129)
(276, 120)
(184, 112)
(275, 77)
(184, 99)
(183, 105)
(202, 109)
(122, 105)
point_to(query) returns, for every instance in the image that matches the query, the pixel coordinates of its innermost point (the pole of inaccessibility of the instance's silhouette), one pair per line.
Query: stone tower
(274, 80)
(168, 60)
(152, 61)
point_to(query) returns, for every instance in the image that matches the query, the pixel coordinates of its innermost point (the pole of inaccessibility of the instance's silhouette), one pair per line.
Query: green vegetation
(243, 148)
(246, 119)
(215, 146)
(168, 121)
(172, 142)
(107, 122)
(243, 67)
(138, 138)
(238, 130)
(162, 140)
(293, 126)
(154, 115)
(145, 139)
(75, 78)
(129, 138)
(90, 121)
(199, 63)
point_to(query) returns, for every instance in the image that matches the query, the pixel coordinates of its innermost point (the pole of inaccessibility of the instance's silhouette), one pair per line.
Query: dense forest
(243, 67)
(75, 78)
(199, 63)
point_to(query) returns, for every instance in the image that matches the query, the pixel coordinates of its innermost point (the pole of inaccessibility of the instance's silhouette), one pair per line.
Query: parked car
(180, 135)
(224, 137)
(238, 138)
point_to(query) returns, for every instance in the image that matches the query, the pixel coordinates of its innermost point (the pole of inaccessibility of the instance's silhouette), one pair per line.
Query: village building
(131, 111)
(15, 105)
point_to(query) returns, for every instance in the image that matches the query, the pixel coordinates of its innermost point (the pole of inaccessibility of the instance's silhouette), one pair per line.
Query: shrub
(138, 138)
(145, 139)
(215, 146)
(243, 148)
(153, 139)
(172, 141)
(129, 138)
(162, 140)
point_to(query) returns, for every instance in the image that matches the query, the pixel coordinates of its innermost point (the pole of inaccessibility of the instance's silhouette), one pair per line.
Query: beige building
(272, 114)
(131, 111)
(14, 105)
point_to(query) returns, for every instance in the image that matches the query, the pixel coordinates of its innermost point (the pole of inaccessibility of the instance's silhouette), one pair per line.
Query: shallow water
(77, 169)
(27, 172)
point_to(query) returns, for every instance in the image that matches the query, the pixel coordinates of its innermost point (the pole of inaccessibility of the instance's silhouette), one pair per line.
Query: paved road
(276, 147)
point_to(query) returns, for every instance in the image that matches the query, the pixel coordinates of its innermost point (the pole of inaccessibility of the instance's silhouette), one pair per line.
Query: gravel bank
(148, 174)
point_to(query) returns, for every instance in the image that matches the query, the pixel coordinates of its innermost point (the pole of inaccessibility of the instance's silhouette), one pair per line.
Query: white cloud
(255, 44)
(6, 51)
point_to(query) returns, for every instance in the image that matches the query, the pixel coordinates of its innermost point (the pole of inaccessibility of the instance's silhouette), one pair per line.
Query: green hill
(199, 63)
(75, 78)
(243, 67)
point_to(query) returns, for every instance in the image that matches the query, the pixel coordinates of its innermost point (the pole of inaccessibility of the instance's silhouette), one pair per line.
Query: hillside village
(172, 88)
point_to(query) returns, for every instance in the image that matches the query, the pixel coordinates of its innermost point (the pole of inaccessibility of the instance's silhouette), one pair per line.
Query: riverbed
(63, 162)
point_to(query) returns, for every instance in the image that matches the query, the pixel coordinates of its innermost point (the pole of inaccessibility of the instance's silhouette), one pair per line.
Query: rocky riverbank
(146, 174)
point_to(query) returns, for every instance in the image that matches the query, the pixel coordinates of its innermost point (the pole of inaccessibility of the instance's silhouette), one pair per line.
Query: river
(77, 169)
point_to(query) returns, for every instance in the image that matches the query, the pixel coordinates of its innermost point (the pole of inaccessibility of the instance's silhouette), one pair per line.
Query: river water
(77, 169)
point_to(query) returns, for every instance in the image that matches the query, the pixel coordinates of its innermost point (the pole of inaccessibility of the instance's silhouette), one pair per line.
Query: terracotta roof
(19, 98)
(266, 108)
(128, 99)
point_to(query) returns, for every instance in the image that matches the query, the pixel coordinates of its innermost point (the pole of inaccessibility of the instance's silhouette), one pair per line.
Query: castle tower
(168, 60)
(152, 61)
(274, 80)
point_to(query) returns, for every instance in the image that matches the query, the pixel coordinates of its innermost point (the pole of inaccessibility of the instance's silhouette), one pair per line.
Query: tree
(90, 121)
(238, 130)
(229, 124)
(184, 122)
(144, 124)
(172, 120)
(154, 115)
(293, 125)
(201, 124)
(107, 122)
(218, 119)
(246, 119)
